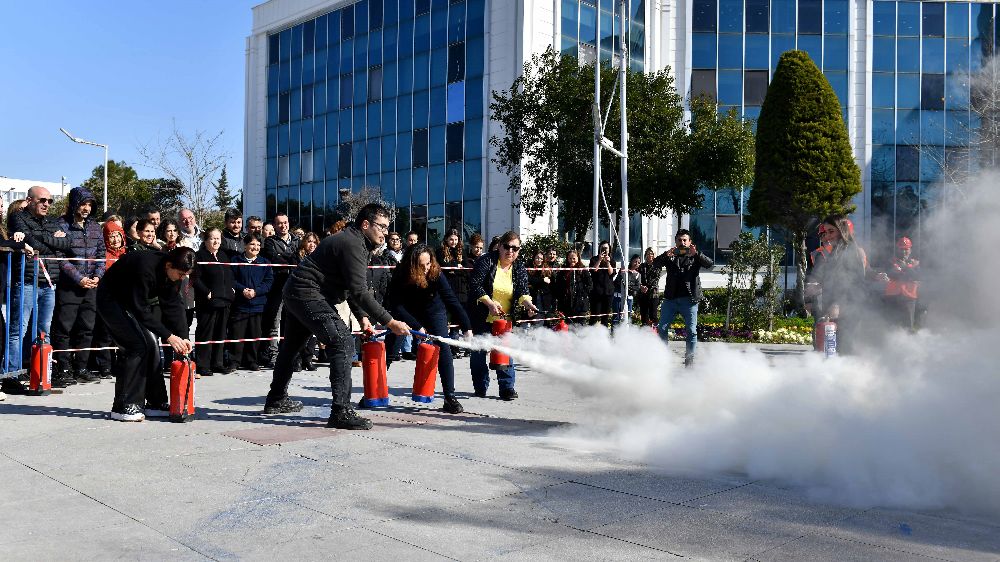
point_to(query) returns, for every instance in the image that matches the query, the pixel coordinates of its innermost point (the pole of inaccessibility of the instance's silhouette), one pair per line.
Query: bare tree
(193, 160)
(985, 98)
(351, 203)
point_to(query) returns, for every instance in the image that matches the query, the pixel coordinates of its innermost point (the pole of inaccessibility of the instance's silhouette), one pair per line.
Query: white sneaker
(130, 413)
(161, 411)
(2, 397)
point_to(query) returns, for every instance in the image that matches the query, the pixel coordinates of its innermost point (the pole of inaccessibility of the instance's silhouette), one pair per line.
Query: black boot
(347, 418)
(452, 405)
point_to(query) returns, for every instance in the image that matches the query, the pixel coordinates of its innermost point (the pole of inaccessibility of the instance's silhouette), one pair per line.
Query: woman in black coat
(498, 284)
(420, 295)
(450, 255)
(540, 282)
(573, 288)
(214, 291)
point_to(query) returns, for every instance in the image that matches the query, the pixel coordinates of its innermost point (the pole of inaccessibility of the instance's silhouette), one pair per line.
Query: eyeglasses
(512, 248)
(383, 227)
(45, 201)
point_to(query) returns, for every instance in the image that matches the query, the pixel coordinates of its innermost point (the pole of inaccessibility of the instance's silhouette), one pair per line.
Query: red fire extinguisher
(500, 361)
(39, 382)
(425, 375)
(373, 370)
(561, 326)
(825, 336)
(182, 372)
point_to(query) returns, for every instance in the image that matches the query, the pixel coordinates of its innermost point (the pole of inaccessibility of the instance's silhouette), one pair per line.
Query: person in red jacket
(901, 290)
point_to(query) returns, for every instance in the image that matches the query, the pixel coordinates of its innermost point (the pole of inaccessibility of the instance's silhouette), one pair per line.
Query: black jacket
(378, 277)
(604, 282)
(139, 283)
(683, 274)
(481, 283)
(415, 305)
(542, 291)
(338, 271)
(233, 245)
(573, 291)
(649, 277)
(276, 250)
(216, 280)
(39, 234)
(458, 279)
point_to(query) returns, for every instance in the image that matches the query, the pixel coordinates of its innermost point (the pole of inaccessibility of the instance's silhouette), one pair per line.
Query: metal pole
(105, 178)
(622, 66)
(598, 134)
(6, 325)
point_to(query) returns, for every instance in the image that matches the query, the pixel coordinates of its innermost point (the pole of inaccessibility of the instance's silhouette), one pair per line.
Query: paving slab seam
(884, 547)
(112, 508)
(590, 532)
(383, 534)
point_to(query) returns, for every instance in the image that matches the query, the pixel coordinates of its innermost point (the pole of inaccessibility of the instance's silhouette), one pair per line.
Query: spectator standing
(252, 282)
(304, 360)
(499, 282)
(214, 293)
(232, 236)
(476, 249)
(412, 238)
(138, 300)
(146, 231)
(603, 275)
(420, 295)
(623, 298)
(153, 215)
(573, 287)
(10, 242)
(682, 291)
(551, 258)
(114, 249)
(540, 283)
(42, 233)
(255, 225)
(268, 230)
(190, 231)
(901, 291)
(169, 232)
(449, 257)
(76, 292)
(394, 248)
(281, 250)
(649, 289)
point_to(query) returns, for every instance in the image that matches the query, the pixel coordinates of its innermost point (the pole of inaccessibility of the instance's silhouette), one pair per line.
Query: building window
(272, 49)
(810, 16)
(284, 102)
(423, 6)
(754, 87)
(375, 14)
(346, 90)
(347, 22)
(456, 102)
(703, 83)
(456, 62)
(933, 19)
(731, 16)
(283, 170)
(907, 163)
(454, 142)
(704, 17)
(307, 101)
(932, 91)
(344, 166)
(757, 16)
(307, 167)
(375, 84)
(420, 148)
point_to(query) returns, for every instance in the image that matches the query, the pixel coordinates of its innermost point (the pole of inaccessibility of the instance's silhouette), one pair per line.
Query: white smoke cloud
(913, 422)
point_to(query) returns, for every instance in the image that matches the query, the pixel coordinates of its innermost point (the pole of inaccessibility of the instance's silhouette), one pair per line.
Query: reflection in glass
(703, 18)
(757, 51)
(907, 163)
(730, 50)
(933, 19)
(810, 16)
(731, 16)
(883, 89)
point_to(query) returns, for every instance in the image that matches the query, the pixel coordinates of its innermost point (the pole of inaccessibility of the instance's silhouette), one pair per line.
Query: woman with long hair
(170, 233)
(304, 361)
(420, 295)
(498, 284)
(450, 255)
(573, 287)
(540, 282)
(214, 292)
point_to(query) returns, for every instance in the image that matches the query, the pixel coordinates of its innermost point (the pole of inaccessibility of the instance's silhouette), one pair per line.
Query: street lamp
(105, 147)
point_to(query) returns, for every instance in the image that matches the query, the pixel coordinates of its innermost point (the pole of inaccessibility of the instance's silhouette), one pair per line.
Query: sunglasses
(512, 248)
(45, 201)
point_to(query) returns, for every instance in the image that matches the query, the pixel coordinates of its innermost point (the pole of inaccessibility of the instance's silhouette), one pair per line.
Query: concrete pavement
(423, 485)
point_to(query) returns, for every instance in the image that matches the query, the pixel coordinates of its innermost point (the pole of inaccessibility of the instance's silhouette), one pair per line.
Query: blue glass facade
(578, 30)
(386, 93)
(921, 117)
(735, 47)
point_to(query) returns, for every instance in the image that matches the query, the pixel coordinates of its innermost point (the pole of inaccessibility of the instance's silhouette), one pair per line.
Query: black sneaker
(85, 376)
(62, 380)
(252, 367)
(508, 395)
(283, 406)
(409, 355)
(106, 374)
(452, 405)
(225, 370)
(347, 418)
(480, 394)
(157, 410)
(128, 413)
(308, 365)
(12, 386)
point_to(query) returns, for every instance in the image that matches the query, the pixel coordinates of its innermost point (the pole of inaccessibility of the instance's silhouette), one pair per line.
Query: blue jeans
(688, 309)
(20, 316)
(481, 374)
(622, 318)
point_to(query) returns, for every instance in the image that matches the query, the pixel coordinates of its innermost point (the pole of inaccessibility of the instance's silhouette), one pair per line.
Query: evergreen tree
(805, 168)
(223, 198)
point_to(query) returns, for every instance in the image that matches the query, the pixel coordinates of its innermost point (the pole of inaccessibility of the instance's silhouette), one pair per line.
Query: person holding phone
(682, 291)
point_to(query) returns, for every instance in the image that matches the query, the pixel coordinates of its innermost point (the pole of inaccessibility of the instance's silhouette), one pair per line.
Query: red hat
(904, 243)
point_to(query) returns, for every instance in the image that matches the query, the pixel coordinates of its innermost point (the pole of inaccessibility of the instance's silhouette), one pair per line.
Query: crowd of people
(270, 296)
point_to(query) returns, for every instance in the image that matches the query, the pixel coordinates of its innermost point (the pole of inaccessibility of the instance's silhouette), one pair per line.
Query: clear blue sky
(118, 73)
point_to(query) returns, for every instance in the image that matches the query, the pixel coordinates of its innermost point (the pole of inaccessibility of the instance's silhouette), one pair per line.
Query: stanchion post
(6, 327)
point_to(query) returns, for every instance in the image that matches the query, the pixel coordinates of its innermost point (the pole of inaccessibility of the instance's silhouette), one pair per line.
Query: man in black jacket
(42, 233)
(232, 235)
(682, 291)
(335, 272)
(282, 248)
(603, 275)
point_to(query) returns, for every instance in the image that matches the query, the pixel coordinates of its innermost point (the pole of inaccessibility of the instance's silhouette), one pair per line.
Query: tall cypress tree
(804, 168)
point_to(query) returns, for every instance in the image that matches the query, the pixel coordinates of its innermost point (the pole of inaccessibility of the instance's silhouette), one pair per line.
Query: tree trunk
(801, 261)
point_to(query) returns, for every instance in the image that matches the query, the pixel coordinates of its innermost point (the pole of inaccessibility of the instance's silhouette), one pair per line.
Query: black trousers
(244, 325)
(137, 373)
(307, 314)
(73, 325)
(436, 325)
(212, 325)
(649, 311)
(600, 304)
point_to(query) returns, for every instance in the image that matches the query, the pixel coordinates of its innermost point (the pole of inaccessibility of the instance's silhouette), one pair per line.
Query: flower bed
(801, 335)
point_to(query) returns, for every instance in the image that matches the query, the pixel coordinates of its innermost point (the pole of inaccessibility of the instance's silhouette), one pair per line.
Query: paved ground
(489, 484)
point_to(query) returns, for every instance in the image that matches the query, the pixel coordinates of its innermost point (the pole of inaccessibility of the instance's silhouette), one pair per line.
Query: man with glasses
(282, 248)
(190, 234)
(335, 272)
(42, 233)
